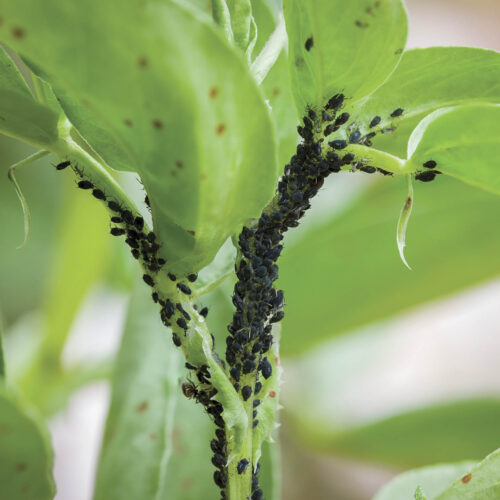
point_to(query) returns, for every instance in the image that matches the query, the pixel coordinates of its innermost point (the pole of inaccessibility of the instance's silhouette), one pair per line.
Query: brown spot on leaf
(18, 32)
(142, 62)
(128, 123)
(157, 124)
(467, 478)
(361, 24)
(187, 484)
(221, 128)
(179, 164)
(142, 407)
(299, 62)
(203, 177)
(277, 360)
(152, 436)
(276, 91)
(408, 201)
(192, 233)
(214, 92)
(272, 394)
(173, 173)
(399, 51)
(21, 467)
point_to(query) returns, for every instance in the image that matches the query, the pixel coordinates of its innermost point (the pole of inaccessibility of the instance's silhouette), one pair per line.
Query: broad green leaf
(433, 480)
(337, 46)
(25, 452)
(442, 433)
(78, 262)
(482, 482)
(170, 100)
(425, 80)
(21, 116)
(318, 272)
(464, 142)
(138, 441)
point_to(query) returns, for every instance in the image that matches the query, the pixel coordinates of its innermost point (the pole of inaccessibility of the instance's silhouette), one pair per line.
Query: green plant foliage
(464, 141)
(22, 116)
(346, 272)
(433, 480)
(353, 47)
(138, 442)
(425, 80)
(270, 470)
(171, 101)
(480, 483)
(25, 452)
(442, 433)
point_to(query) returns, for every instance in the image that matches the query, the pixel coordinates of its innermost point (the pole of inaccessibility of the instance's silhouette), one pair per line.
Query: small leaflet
(404, 216)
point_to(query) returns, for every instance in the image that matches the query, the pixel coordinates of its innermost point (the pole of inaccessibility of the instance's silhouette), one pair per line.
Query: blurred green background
(385, 369)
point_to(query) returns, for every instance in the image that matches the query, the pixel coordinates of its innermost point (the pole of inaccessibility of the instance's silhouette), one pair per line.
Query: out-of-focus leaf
(25, 452)
(425, 80)
(338, 46)
(20, 115)
(270, 470)
(482, 482)
(464, 142)
(433, 480)
(171, 100)
(346, 272)
(138, 442)
(442, 433)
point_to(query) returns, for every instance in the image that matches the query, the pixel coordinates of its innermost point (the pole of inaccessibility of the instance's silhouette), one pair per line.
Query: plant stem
(380, 159)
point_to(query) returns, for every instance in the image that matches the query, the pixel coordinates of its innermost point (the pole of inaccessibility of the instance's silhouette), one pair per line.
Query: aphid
(255, 423)
(329, 129)
(341, 119)
(235, 372)
(63, 165)
(430, 164)
(169, 308)
(312, 114)
(219, 422)
(85, 185)
(246, 392)
(128, 217)
(242, 465)
(335, 102)
(375, 121)
(189, 366)
(397, 112)
(154, 295)
(151, 237)
(326, 117)
(355, 137)
(218, 460)
(266, 368)
(161, 261)
(114, 206)
(258, 387)
(148, 280)
(176, 340)
(139, 223)
(367, 169)
(219, 479)
(116, 220)
(192, 277)
(172, 277)
(132, 243)
(99, 194)
(277, 317)
(135, 253)
(117, 231)
(348, 158)
(204, 312)
(181, 322)
(248, 366)
(184, 288)
(215, 446)
(426, 176)
(146, 201)
(387, 130)
(309, 44)
(189, 389)
(256, 403)
(338, 144)
(254, 414)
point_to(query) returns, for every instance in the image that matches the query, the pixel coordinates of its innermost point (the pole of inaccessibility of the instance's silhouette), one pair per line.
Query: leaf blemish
(361, 24)
(192, 233)
(127, 122)
(399, 51)
(179, 164)
(309, 43)
(221, 128)
(214, 92)
(157, 124)
(276, 91)
(142, 62)
(18, 32)
(272, 394)
(467, 478)
(21, 467)
(142, 407)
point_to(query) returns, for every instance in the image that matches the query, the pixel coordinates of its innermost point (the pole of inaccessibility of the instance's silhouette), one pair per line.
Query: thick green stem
(380, 159)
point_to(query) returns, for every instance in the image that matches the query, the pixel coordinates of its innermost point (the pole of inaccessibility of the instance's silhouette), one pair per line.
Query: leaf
(320, 269)
(481, 482)
(20, 115)
(171, 100)
(137, 443)
(353, 47)
(464, 142)
(25, 454)
(441, 433)
(433, 480)
(425, 80)
(270, 470)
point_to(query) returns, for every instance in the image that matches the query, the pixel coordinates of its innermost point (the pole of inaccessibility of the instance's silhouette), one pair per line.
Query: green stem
(222, 17)
(380, 159)
(239, 486)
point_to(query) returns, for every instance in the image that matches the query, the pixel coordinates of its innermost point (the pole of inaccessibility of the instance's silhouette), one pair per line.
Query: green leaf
(442, 433)
(20, 115)
(137, 443)
(480, 483)
(353, 47)
(464, 141)
(433, 480)
(425, 80)
(25, 453)
(270, 470)
(171, 100)
(319, 269)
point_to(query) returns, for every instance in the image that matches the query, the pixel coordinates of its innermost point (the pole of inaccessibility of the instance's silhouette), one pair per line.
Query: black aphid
(430, 164)
(341, 119)
(85, 185)
(63, 165)
(192, 277)
(184, 288)
(397, 112)
(176, 340)
(128, 217)
(355, 137)
(266, 368)
(148, 280)
(181, 322)
(338, 144)
(246, 392)
(242, 465)
(114, 206)
(117, 231)
(116, 220)
(172, 277)
(139, 223)
(375, 121)
(248, 366)
(335, 102)
(426, 176)
(99, 194)
(309, 44)
(204, 312)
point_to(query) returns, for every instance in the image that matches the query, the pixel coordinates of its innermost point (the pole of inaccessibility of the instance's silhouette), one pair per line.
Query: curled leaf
(19, 193)
(404, 216)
